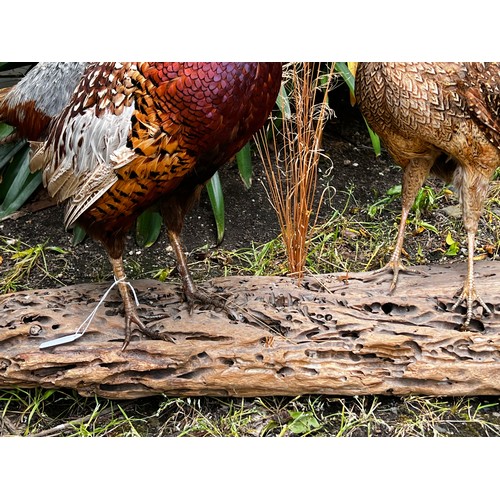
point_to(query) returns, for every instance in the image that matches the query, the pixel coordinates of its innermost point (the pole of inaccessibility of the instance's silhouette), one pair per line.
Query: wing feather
(87, 143)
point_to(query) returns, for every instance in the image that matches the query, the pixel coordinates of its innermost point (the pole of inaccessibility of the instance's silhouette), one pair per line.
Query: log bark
(325, 335)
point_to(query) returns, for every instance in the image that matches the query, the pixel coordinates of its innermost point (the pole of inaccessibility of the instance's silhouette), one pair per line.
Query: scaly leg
(469, 292)
(473, 187)
(414, 175)
(131, 315)
(395, 265)
(173, 209)
(190, 290)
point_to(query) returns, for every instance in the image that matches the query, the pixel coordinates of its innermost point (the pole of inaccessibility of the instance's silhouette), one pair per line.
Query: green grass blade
(8, 151)
(375, 140)
(15, 176)
(244, 160)
(283, 102)
(7, 66)
(216, 196)
(148, 227)
(343, 70)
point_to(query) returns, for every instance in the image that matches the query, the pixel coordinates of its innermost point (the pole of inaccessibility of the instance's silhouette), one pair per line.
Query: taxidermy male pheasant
(137, 134)
(441, 119)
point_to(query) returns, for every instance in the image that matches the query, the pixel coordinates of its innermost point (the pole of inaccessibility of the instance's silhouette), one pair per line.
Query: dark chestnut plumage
(136, 134)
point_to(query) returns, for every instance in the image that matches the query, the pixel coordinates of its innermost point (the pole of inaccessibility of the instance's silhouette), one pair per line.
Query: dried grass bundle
(292, 152)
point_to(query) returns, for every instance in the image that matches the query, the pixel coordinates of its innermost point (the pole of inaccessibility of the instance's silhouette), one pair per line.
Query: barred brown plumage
(136, 134)
(441, 119)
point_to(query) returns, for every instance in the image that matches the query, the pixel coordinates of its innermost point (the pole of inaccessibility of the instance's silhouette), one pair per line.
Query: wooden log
(324, 336)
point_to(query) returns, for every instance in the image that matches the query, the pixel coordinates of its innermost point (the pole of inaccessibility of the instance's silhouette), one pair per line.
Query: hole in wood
(349, 334)
(36, 317)
(387, 308)
(285, 371)
(310, 371)
(372, 308)
(53, 370)
(161, 374)
(195, 373)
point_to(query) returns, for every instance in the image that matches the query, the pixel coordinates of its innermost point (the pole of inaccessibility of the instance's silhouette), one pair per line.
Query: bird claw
(134, 318)
(393, 266)
(470, 295)
(203, 298)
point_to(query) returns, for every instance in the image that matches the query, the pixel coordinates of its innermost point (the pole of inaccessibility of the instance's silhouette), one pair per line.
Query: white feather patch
(81, 162)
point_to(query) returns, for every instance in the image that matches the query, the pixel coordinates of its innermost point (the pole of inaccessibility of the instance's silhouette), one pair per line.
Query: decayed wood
(324, 336)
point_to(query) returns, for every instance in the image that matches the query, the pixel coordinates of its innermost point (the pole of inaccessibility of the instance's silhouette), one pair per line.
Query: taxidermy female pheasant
(441, 119)
(136, 134)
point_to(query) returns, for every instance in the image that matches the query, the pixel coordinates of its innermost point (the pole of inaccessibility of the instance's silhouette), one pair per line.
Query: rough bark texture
(324, 336)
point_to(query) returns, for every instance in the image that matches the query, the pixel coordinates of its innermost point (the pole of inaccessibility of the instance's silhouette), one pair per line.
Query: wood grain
(324, 336)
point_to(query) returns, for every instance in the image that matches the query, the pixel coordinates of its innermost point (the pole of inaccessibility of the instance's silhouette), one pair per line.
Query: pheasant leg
(395, 265)
(473, 186)
(468, 291)
(414, 175)
(191, 292)
(131, 315)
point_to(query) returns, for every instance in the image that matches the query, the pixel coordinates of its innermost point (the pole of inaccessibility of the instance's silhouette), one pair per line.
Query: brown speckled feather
(439, 118)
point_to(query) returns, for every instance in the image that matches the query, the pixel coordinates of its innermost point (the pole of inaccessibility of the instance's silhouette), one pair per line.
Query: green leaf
(9, 150)
(148, 227)
(343, 70)
(283, 102)
(375, 140)
(78, 235)
(216, 196)
(302, 422)
(18, 183)
(15, 175)
(7, 66)
(453, 250)
(57, 250)
(453, 246)
(395, 190)
(244, 160)
(5, 130)
(429, 227)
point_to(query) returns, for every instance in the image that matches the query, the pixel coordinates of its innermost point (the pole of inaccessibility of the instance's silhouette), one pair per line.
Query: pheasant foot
(195, 296)
(131, 316)
(469, 295)
(394, 267)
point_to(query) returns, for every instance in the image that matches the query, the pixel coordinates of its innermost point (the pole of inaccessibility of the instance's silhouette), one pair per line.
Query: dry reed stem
(291, 172)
